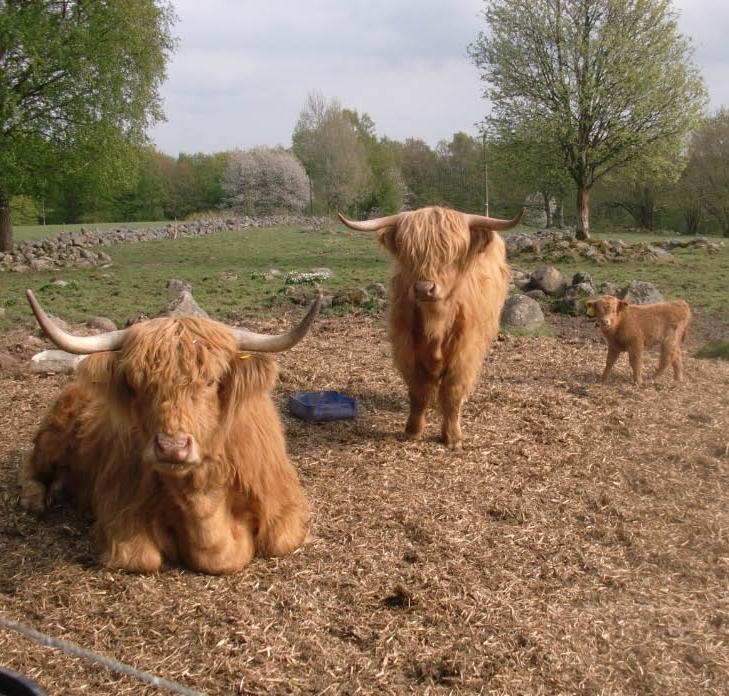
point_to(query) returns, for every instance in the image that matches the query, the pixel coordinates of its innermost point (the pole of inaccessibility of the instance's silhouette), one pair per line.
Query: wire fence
(109, 663)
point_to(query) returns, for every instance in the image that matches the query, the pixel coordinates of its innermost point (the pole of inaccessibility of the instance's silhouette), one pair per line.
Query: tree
(79, 86)
(526, 166)
(605, 79)
(419, 167)
(707, 174)
(327, 143)
(265, 180)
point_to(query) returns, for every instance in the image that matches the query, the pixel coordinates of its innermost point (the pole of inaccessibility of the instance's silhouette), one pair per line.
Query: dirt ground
(578, 543)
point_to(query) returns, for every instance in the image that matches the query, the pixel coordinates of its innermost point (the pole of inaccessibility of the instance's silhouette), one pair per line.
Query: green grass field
(222, 270)
(137, 280)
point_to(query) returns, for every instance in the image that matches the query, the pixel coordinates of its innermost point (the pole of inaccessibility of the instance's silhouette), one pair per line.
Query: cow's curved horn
(112, 340)
(249, 340)
(494, 223)
(371, 225)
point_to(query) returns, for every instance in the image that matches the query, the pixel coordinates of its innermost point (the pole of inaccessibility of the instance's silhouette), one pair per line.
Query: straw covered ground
(578, 543)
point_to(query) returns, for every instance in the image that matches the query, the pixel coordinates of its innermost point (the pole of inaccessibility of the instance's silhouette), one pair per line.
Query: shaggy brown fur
(447, 290)
(173, 378)
(632, 328)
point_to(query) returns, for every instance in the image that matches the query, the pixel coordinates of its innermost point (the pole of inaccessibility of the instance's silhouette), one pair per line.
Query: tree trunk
(561, 213)
(583, 212)
(547, 209)
(6, 226)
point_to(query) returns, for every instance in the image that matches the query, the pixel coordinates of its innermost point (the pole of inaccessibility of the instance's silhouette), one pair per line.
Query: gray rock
(55, 361)
(581, 289)
(522, 312)
(608, 288)
(582, 277)
(101, 324)
(377, 290)
(659, 253)
(184, 305)
(59, 283)
(574, 298)
(548, 279)
(176, 286)
(354, 296)
(323, 272)
(641, 292)
(536, 294)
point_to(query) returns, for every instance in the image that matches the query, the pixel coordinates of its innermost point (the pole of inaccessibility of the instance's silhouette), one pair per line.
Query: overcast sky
(243, 68)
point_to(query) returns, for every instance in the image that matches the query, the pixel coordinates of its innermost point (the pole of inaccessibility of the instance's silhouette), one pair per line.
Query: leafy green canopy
(79, 86)
(605, 80)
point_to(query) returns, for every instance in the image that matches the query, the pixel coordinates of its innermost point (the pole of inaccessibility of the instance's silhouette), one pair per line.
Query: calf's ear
(622, 305)
(590, 308)
(249, 375)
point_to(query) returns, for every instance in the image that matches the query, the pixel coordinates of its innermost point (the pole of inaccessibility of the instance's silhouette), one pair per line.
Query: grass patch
(224, 270)
(715, 349)
(543, 329)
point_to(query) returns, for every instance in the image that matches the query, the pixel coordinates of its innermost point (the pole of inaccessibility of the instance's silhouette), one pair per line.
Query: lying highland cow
(170, 437)
(632, 328)
(446, 294)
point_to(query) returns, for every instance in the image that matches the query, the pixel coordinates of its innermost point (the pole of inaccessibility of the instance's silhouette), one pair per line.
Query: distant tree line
(337, 162)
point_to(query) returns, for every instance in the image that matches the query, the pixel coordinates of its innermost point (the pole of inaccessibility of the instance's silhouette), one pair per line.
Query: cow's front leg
(212, 540)
(286, 532)
(420, 391)
(136, 552)
(612, 356)
(635, 355)
(451, 395)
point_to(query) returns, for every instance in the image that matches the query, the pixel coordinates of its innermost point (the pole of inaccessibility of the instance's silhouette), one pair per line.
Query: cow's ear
(622, 305)
(481, 237)
(248, 375)
(386, 237)
(590, 307)
(97, 371)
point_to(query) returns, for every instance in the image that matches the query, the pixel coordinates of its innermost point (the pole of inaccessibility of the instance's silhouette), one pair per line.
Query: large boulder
(549, 280)
(184, 305)
(175, 286)
(352, 296)
(522, 312)
(641, 292)
(55, 361)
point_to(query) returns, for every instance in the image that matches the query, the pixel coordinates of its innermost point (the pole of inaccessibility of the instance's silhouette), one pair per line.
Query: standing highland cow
(169, 435)
(446, 294)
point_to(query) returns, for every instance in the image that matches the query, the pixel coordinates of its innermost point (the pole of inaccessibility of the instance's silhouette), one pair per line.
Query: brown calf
(632, 328)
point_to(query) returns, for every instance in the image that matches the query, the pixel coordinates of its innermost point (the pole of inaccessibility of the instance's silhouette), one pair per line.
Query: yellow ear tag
(590, 311)
(244, 356)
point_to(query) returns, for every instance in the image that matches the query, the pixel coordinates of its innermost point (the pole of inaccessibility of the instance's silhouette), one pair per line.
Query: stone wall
(76, 249)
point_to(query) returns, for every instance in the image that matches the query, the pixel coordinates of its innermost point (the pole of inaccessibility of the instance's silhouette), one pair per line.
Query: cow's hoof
(412, 435)
(33, 496)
